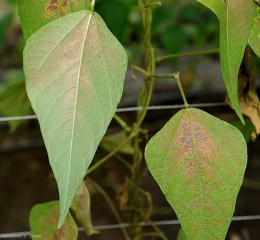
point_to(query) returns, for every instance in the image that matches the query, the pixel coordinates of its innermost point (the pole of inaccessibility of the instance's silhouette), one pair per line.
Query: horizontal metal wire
(128, 109)
(127, 225)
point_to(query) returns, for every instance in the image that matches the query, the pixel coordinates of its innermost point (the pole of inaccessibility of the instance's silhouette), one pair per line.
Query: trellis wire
(127, 225)
(128, 109)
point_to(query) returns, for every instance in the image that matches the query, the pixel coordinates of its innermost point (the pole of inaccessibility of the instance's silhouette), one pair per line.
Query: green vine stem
(104, 159)
(188, 54)
(143, 101)
(110, 204)
(122, 123)
(177, 78)
(92, 5)
(174, 75)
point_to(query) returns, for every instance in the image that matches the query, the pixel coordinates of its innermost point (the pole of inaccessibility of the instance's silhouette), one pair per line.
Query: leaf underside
(74, 69)
(199, 163)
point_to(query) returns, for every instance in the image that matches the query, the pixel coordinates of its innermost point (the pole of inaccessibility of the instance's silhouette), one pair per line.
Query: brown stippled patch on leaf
(52, 8)
(247, 95)
(65, 3)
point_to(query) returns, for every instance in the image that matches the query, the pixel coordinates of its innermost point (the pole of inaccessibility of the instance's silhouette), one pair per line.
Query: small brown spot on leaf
(52, 8)
(54, 1)
(65, 3)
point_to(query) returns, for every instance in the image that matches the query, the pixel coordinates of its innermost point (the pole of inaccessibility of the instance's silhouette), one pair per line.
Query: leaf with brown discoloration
(199, 163)
(74, 69)
(247, 95)
(81, 207)
(234, 38)
(44, 219)
(34, 14)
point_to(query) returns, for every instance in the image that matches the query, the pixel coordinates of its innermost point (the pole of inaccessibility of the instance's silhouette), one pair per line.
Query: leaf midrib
(75, 105)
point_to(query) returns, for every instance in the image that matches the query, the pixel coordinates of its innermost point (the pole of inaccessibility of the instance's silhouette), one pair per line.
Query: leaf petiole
(92, 5)
(177, 78)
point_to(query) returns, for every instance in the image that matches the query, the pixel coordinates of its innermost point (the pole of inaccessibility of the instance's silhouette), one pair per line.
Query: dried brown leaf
(247, 95)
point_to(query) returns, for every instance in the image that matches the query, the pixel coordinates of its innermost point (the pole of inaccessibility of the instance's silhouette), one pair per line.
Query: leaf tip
(239, 114)
(61, 221)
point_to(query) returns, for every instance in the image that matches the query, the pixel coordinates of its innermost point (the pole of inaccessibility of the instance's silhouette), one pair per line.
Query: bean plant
(75, 69)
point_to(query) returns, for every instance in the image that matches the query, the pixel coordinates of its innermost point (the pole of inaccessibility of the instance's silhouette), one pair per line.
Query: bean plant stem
(173, 76)
(92, 5)
(104, 159)
(111, 206)
(177, 78)
(122, 123)
(188, 54)
(144, 101)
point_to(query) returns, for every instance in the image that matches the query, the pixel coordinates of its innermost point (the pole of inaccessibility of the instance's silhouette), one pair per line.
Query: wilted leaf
(233, 39)
(13, 98)
(81, 207)
(110, 142)
(34, 14)
(43, 221)
(74, 69)
(247, 95)
(199, 163)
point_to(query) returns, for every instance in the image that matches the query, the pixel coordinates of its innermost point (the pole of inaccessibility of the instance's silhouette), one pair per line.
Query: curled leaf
(81, 207)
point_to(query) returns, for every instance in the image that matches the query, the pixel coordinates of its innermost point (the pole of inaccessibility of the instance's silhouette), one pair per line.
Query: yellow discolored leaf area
(247, 95)
(199, 163)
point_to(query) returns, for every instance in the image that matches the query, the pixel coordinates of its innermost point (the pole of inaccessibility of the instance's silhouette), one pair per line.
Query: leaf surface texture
(74, 69)
(199, 163)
